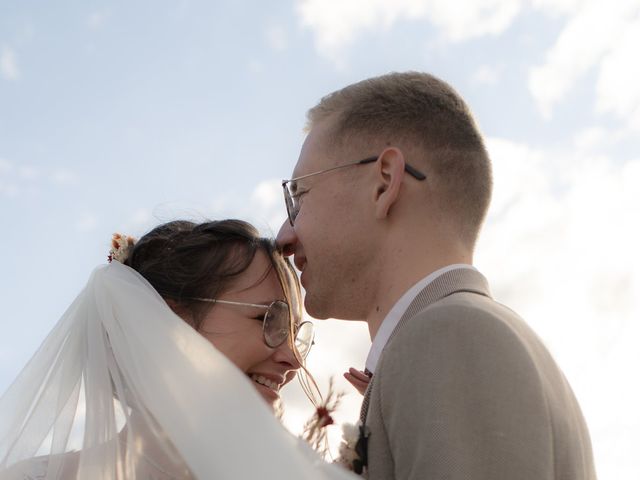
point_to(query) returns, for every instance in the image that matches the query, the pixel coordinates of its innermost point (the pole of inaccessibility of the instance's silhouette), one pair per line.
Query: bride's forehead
(259, 275)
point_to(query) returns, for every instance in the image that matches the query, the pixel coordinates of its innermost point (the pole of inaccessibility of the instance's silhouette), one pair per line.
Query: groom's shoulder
(460, 319)
(462, 311)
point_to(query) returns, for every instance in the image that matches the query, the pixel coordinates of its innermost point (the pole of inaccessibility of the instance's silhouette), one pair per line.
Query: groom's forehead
(314, 154)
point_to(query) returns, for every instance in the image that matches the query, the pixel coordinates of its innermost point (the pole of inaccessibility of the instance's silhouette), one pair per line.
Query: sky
(117, 116)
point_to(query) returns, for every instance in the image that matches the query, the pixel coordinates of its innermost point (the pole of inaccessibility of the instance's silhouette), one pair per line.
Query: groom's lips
(299, 262)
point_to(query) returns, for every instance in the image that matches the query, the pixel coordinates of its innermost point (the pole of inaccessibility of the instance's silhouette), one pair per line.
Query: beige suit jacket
(464, 389)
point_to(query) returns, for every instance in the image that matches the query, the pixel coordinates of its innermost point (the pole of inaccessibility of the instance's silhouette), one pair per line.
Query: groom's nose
(287, 239)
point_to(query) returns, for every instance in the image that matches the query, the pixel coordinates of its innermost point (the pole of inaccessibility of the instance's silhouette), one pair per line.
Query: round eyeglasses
(276, 325)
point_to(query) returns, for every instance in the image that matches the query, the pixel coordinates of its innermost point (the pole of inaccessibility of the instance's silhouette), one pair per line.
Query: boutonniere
(353, 448)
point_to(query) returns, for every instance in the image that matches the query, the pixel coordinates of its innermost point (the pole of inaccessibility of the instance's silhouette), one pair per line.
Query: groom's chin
(315, 308)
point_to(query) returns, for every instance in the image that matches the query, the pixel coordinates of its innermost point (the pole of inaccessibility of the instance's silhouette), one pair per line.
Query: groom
(387, 200)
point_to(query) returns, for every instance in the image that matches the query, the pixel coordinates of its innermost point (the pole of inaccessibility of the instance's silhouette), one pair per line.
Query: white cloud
(7, 187)
(86, 223)
(31, 179)
(591, 138)
(266, 207)
(559, 248)
(598, 138)
(486, 75)
(462, 20)
(618, 86)
(601, 35)
(97, 19)
(277, 38)
(141, 217)
(8, 64)
(336, 23)
(63, 177)
(255, 67)
(5, 166)
(558, 7)
(29, 172)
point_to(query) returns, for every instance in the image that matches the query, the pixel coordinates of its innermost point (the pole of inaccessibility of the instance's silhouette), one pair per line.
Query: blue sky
(116, 116)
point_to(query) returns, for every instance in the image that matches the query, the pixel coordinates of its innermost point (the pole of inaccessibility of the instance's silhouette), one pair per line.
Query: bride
(167, 366)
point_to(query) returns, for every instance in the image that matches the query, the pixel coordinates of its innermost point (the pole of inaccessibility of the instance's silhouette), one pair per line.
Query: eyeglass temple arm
(229, 302)
(417, 174)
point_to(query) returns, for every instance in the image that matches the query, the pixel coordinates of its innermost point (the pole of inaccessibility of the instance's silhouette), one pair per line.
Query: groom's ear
(390, 173)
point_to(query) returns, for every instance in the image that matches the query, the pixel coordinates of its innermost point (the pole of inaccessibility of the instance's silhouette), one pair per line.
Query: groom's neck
(400, 271)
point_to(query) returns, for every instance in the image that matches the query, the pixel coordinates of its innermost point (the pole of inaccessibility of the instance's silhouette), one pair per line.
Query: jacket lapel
(453, 281)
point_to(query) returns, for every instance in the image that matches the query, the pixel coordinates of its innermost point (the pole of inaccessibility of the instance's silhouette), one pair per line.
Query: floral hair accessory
(120, 247)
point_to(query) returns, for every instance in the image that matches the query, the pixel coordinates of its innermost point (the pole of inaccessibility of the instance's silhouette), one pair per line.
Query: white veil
(123, 388)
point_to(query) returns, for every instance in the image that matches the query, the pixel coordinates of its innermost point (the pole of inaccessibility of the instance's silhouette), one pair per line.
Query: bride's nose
(285, 356)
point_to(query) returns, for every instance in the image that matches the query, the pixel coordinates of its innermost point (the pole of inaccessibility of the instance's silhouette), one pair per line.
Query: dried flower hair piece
(121, 246)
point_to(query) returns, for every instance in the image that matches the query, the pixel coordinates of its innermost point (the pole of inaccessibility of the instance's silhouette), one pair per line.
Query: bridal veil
(122, 388)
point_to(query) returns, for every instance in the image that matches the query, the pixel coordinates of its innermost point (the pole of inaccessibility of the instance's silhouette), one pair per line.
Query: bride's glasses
(276, 325)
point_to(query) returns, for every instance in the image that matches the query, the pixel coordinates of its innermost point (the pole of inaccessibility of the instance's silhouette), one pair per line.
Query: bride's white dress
(122, 388)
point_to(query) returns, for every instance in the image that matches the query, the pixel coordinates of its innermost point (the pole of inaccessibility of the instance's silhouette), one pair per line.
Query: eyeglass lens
(276, 324)
(276, 329)
(304, 338)
(291, 202)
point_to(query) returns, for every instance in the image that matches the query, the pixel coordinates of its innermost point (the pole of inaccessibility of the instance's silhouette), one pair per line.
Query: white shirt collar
(393, 317)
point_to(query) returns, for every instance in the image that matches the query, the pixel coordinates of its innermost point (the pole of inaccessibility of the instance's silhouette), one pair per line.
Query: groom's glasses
(292, 196)
(276, 325)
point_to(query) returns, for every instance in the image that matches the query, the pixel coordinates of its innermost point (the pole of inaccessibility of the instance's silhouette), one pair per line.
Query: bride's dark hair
(184, 260)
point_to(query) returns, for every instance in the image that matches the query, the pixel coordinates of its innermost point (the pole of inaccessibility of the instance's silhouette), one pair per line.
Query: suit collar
(431, 288)
(453, 281)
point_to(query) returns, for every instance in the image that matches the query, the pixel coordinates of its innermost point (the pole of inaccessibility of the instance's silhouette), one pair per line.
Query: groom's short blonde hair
(426, 118)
